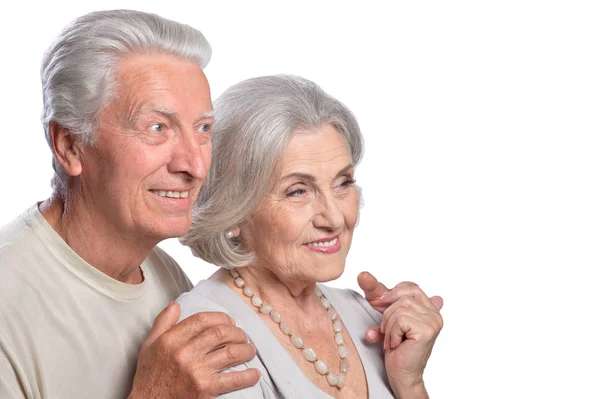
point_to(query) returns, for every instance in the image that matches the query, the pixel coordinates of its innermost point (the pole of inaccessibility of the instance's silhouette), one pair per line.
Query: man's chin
(171, 230)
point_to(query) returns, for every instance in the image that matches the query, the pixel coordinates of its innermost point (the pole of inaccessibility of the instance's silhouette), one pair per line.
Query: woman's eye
(204, 128)
(347, 183)
(157, 127)
(296, 193)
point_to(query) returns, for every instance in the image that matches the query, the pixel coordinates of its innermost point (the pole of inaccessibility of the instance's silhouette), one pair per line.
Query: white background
(481, 174)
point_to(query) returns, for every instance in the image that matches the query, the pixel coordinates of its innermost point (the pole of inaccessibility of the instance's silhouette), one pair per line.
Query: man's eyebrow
(170, 114)
(311, 178)
(207, 115)
(135, 113)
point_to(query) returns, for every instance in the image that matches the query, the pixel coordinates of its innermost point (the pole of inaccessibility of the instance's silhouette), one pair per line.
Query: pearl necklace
(335, 380)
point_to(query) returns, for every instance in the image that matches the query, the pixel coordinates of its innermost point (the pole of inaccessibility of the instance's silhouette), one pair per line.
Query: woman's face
(302, 230)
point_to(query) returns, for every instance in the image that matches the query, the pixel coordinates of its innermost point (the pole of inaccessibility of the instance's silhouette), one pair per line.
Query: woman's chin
(330, 273)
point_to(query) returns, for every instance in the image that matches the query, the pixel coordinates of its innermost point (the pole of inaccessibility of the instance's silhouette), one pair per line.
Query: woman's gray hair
(78, 68)
(254, 121)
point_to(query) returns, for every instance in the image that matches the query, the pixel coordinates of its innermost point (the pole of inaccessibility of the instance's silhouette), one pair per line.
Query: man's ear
(67, 149)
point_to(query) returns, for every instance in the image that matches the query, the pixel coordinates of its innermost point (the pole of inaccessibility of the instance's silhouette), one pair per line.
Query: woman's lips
(326, 246)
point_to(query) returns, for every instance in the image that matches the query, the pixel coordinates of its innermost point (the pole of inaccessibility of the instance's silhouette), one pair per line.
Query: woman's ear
(67, 149)
(233, 232)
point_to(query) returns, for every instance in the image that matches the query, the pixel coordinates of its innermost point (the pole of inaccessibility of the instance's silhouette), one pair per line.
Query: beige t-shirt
(68, 330)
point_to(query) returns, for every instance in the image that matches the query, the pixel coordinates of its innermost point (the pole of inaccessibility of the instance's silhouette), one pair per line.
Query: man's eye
(204, 128)
(158, 127)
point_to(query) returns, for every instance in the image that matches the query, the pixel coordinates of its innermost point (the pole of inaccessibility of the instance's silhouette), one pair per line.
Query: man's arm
(380, 298)
(411, 323)
(184, 360)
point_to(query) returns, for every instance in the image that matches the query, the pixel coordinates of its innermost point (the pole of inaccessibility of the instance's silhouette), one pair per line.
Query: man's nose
(191, 155)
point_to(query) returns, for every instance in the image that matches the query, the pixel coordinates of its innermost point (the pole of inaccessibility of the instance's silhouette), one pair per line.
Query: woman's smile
(328, 245)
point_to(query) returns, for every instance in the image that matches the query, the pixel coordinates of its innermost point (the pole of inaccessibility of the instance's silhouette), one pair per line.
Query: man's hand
(184, 360)
(381, 298)
(411, 323)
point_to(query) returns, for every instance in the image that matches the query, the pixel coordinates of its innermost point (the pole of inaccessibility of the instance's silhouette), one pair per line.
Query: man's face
(153, 151)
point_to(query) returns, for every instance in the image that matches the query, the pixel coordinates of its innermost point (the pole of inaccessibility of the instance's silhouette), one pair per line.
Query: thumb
(163, 322)
(372, 288)
(374, 335)
(437, 301)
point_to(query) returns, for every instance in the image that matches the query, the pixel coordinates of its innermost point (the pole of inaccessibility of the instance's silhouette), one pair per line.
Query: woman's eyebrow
(304, 176)
(311, 178)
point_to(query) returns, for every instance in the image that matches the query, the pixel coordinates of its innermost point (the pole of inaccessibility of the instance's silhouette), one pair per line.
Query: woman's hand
(411, 323)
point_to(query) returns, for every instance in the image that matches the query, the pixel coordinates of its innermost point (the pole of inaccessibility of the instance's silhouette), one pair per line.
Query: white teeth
(324, 243)
(172, 194)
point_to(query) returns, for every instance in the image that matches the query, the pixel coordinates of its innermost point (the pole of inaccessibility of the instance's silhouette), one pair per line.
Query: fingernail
(372, 335)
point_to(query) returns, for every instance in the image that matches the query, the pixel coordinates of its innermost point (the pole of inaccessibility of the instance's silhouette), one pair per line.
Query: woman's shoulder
(350, 303)
(346, 294)
(206, 296)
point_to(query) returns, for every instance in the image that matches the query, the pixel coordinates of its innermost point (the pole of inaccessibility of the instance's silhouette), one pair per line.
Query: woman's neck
(280, 291)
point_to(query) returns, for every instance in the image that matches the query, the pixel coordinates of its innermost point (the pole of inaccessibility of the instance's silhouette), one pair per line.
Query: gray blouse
(280, 376)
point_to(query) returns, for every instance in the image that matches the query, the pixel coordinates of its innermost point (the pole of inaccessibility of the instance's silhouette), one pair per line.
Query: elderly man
(83, 288)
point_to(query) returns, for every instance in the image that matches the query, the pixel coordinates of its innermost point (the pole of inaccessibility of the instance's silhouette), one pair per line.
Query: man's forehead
(151, 108)
(157, 72)
(161, 84)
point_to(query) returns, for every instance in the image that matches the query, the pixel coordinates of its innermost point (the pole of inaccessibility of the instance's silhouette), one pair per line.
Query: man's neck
(96, 241)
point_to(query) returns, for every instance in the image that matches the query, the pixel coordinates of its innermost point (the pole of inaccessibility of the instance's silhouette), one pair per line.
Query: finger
(216, 337)
(400, 328)
(199, 322)
(405, 288)
(388, 325)
(389, 312)
(437, 301)
(163, 322)
(235, 380)
(372, 288)
(404, 302)
(431, 318)
(410, 327)
(397, 332)
(228, 356)
(394, 335)
(374, 335)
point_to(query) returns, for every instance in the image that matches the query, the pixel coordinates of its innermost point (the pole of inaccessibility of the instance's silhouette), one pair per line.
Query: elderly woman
(277, 214)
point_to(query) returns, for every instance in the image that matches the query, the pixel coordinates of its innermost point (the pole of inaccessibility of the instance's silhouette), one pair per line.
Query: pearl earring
(229, 234)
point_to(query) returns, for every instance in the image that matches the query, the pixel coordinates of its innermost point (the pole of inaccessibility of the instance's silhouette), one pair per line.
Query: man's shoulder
(12, 234)
(167, 269)
(17, 239)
